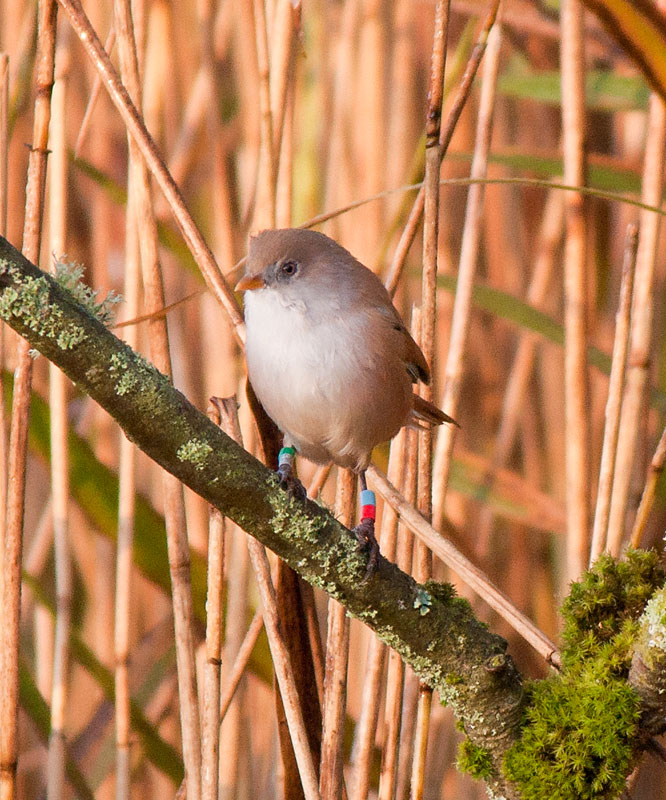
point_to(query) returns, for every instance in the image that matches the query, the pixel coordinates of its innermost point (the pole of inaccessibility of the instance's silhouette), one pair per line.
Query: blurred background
(345, 87)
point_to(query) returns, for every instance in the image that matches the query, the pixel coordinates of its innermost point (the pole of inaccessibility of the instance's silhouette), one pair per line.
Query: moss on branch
(581, 735)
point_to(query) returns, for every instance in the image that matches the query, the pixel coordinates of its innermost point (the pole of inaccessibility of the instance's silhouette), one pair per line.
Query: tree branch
(648, 665)
(434, 632)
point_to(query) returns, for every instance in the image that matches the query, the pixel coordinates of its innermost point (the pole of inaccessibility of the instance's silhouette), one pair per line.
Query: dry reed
(270, 112)
(18, 442)
(633, 402)
(614, 402)
(337, 656)
(575, 288)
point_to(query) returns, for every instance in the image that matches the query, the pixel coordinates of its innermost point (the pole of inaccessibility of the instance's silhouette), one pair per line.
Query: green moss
(610, 595)
(579, 738)
(444, 592)
(475, 761)
(463, 605)
(580, 733)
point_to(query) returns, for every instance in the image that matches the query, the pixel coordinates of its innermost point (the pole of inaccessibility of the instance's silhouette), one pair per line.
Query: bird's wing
(415, 361)
(410, 352)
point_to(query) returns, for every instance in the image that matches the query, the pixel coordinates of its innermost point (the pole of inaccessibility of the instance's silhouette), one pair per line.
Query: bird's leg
(287, 474)
(365, 530)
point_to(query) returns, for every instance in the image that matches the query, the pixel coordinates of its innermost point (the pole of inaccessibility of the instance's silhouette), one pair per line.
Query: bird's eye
(288, 268)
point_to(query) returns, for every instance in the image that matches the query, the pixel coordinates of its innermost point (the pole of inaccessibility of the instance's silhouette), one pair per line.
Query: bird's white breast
(302, 370)
(292, 356)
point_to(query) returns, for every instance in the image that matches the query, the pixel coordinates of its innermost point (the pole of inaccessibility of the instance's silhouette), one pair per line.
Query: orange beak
(249, 282)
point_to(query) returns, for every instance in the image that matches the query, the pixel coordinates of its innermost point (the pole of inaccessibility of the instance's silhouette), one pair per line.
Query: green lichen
(195, 451)
(496, 662)
(474, 760)
(493, 795)
(580, 733)
(69, 276)
(127, 379)
(132, 369)
(28, 299)
(422, 601)
(126, 383)
(449, 696)
(288, 519)
(430, 673)
(653, 623)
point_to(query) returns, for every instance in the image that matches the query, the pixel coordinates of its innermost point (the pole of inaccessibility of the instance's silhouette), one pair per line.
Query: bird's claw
(365, 536)
(289, 481)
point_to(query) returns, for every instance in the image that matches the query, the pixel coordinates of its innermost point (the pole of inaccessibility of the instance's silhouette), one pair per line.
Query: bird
(329, 358)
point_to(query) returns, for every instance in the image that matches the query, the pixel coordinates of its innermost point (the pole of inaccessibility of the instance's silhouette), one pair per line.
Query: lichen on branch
(28, 299)
(572, 735)
(435, 632)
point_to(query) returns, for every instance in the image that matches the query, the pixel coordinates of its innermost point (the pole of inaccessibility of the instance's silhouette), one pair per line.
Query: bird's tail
(424, 411)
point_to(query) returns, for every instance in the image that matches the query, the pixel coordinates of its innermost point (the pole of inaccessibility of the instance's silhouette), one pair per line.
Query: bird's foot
(287, 475)
(365, 536)
(289, 481)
